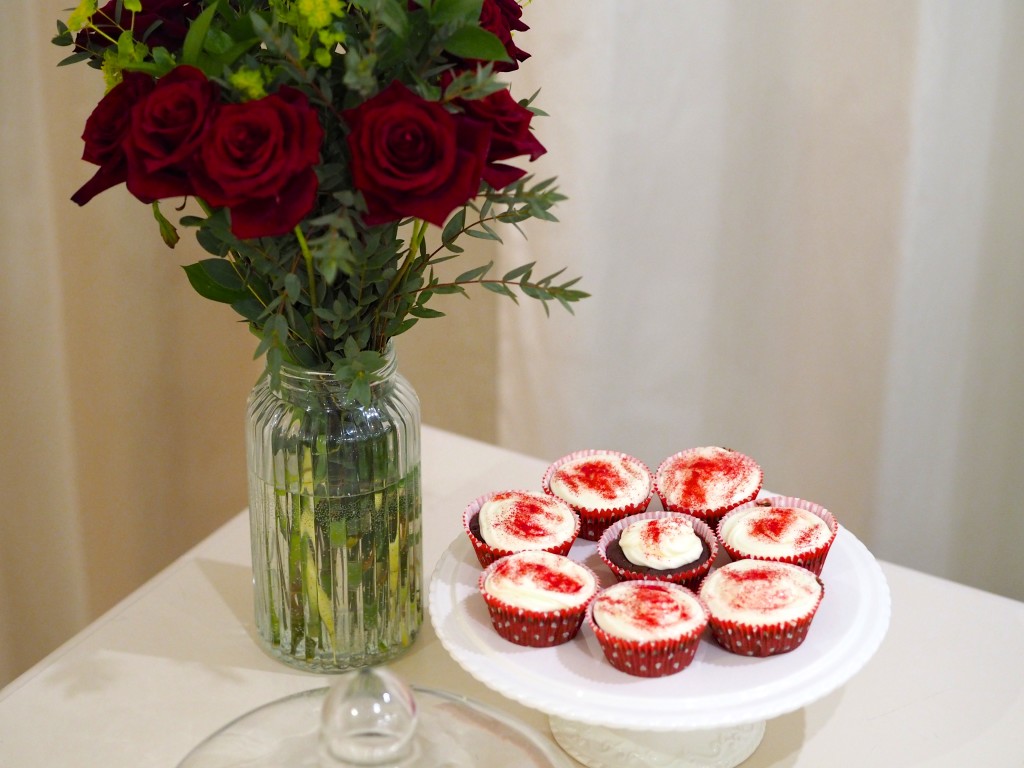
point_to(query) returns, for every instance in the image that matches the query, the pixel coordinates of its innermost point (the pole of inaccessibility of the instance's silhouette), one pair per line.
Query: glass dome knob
(368, 719)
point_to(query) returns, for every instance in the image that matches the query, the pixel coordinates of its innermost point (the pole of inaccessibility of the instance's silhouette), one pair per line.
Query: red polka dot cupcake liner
(652, 658)
(594, 521)
(690, 578)
(761, 641)
(533, 629)
(813, 560)
(710, 515)
(485, 553)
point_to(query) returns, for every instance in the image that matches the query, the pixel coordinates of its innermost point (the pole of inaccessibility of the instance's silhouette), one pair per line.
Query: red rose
(160, 23)
(257, 160)
(166, 130)
(105, 132)
(411, 157)
(510, 135)
(502, 17)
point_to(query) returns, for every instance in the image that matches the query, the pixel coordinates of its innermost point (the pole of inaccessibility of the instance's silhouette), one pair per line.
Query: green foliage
(333, 292)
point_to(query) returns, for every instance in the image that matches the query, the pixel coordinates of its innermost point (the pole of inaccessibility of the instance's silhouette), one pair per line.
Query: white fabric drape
(801, 223)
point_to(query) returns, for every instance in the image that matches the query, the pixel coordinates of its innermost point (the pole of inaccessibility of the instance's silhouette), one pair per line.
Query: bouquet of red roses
(319, 138)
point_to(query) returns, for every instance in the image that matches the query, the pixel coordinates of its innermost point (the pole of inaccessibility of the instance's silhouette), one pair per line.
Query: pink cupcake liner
(690, 579)
(654, 658)
(763, 640)
(593, 522)
(533, 629)
(710, 515)
(485, 553)
(813, 560)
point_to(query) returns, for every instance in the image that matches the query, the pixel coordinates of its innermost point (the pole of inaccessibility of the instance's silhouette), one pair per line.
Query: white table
(177, 659)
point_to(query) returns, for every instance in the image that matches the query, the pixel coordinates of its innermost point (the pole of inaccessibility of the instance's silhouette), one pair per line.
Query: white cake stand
(711, 714)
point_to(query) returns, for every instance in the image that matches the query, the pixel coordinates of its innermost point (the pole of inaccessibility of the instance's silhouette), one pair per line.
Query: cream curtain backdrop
(123, 391)
(802, 226)
(801, 223)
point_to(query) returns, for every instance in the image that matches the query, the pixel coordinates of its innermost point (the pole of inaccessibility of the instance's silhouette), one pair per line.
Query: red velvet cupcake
(707, 482)
(760, 607)
(536, 598)
(648, 628)
(601, 486)
(781, 528)
(660, 546)
(499, 524)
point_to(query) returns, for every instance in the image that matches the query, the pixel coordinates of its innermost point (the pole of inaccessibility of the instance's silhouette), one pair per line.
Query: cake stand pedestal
(598, 747)
(710, 715)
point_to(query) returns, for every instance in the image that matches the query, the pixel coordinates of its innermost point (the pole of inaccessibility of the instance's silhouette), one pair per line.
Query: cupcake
(781, 528)
(663, 546)
(707, 482)
(761, 607)
(499, 524)
(602, 486)
(536, 598)
(648, 628)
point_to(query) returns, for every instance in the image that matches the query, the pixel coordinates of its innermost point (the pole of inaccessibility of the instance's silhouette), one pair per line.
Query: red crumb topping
(654, 530)
(763, 589)
(540, 574)
(650, 606)
(599, 475)
(775, 524)
(695, 476)
(526, 516)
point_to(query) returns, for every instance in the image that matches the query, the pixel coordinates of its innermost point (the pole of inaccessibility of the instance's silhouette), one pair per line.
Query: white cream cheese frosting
(601, 481)
(644, 611)
(767, 531)
(760, 592)
(540, 581)
(708, 478)
(662, 542)
(520, 520)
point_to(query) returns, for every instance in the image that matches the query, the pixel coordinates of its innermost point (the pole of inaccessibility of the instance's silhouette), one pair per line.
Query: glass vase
(335, 515)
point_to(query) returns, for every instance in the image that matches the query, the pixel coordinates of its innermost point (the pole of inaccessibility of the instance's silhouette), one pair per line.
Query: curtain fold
(123, 391)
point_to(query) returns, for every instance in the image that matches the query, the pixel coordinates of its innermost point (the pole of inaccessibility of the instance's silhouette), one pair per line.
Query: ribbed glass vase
(335, 515)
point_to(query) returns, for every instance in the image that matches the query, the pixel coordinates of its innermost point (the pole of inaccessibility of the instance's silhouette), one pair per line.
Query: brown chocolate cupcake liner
(813, 560)
(485, 553)
(763, 640)
(653, 658)
(534, 629)
(709, 515)
(690, 578)
(594, 521)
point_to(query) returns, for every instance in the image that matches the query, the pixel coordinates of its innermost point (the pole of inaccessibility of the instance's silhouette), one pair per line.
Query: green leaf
(447, 11)
(454, 227)
(360, 389)
(485, 234)
(193, 45)
(250, 308)
(523, 272)
(476, 43)
(211, 279)
(293, 286)
(133, 5)
(393, 16)
(445, 289)
(425, 312)
(474, 274)
(496, 287)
